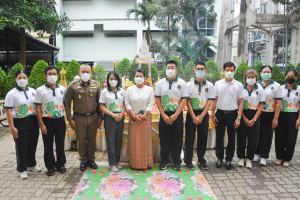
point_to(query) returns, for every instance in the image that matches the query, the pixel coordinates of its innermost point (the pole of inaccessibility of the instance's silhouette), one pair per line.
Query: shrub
(240, 71)
(257, 66)
(59, 66)
(278, 76)
(37, 77)
(123, 68)
(212, 68)
(3, 78)
(298, 74)
(188, 71)
(72, 70)
(163, 73)
(288, 67)
(179, 66)
(100, 75)
(10, 80)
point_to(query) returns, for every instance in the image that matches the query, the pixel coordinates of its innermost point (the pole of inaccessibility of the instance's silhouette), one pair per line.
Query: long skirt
(140, 143)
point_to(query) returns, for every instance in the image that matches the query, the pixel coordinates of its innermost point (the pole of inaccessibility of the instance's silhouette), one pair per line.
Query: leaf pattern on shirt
(50, 110)
(246, 104)
(195, 102)
(165, 100)
(23, 111)
(266, 106)
(285, 104)
(171, 107)
(112, 107)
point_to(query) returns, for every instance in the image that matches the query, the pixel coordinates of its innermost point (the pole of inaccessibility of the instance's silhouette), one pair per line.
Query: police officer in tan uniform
(87, 116)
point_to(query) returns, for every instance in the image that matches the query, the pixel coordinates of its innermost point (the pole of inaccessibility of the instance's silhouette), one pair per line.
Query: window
(119, 35)
(206, 26)
(264, 8)
(79, 35)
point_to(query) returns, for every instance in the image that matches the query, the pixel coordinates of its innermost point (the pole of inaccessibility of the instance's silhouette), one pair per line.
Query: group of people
(248, 112)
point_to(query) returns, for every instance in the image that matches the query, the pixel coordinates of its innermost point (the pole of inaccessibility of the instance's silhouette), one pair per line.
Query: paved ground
(271, 182)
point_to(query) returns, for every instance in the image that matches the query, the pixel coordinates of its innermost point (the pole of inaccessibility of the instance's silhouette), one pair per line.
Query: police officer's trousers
(286, 135)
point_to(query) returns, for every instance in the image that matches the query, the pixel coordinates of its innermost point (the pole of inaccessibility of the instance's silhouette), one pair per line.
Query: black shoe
(177, 167)
(83, 166)
(61, 170)
(190, 166)
(219, 163)
(50, 172)
(92, 164)
(163, 165)
(202, 166)
(228, 165)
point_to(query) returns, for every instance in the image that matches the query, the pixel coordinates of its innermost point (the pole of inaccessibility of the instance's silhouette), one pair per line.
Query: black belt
(227, 111)
(86, 115)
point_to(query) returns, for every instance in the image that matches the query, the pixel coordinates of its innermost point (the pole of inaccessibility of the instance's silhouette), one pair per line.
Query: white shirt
(253, 98)
(272, 93)
(113, 100)
(139, 99)
(51, 100)
(21, 102)
(291, 98)
(228, 94)
(171, 93)
(200, 94)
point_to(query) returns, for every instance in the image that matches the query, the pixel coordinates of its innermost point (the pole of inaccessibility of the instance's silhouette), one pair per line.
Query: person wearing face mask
(289, 120)
(171, 95)
(247, 133)
(269, 115)
(201, 94)
(229, 102)
(21, 117)
(112, 105)
(87, 116)
(139, 100)
(49, 103)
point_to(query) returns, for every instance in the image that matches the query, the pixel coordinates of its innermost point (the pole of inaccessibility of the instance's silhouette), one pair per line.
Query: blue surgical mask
(200, 73)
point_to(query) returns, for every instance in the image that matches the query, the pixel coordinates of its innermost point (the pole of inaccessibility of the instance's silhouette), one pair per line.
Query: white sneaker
(248, 164)
(113, 168)
(263, 161)
(241, 163)
(118, 165)
(286, 163)
(279, 162)
(34, 169)
(256, 157)
(23, 175)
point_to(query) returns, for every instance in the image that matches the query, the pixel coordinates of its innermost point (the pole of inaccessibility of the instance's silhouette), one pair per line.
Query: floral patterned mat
(143, 185)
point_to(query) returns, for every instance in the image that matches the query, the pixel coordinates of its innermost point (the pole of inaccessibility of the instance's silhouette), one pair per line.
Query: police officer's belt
(86, 115)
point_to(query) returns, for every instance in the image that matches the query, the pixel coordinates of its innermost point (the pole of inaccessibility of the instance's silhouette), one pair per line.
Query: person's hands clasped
(251, 123)
(14, 132)
(173, 118)
(137, 118)
(215, 120)
(196, 120)
(117, 117)
(200, 117)
(166, 119)
(44, 129)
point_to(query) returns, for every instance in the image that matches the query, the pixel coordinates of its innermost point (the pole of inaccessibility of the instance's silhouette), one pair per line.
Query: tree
(291, 5)
(3, 78)
(10, 81)
(288, 67)
(100, 75)
(188, 71)
(123, 68)
(59, 66)
(179, 65)
(37, 77)
(33, 15)
(278, 75)
(298, 74)
(72, 70)
(163, 73)
(144, 12)
(212, 68)
(240, 71)
(257, 67)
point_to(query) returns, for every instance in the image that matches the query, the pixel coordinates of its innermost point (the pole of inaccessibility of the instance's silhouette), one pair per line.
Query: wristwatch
(239, 117)
(40, 123)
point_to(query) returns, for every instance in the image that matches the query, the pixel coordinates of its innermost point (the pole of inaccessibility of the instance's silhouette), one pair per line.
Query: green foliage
(100, 75)
(298, 73)
(240, 71)
(154, 72)
(291, 5)
(10, 81)
(37, 77)
(134, 66)
(188, 71)
(179, 65)
(59, 66)
(163, 73)
(123, 68)
(3, 78)
(212, 71)
(72, 70)
(278, 76)
(257, 66)
(288, 67)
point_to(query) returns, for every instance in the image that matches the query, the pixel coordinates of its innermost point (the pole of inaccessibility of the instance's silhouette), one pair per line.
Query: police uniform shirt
(272, 93)
(21, 102)
(228, 94)
(171, 93)
(51, 100)
(290, 98)
(253, 98)
(200, 94)
(113, 100)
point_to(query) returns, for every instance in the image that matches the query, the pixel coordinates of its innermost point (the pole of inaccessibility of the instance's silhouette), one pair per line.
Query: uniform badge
(272, 88)
(206, 90)
(61, 92)
(179, 87)
(256, 92)
(296, 93)
(33, 94)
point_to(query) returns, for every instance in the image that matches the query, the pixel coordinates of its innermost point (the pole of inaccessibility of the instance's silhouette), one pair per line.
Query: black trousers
(286, 135)
(171, 137)
(202, 132)
(56, 128)
(265, 134)
(26, 142)
(225, 120)
(247, 135)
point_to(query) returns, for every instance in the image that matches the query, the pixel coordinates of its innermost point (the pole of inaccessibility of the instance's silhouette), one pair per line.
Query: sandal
(50, 172)
(61, 170)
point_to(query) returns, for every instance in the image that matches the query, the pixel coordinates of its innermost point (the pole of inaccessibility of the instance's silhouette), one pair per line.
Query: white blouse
(139, 99)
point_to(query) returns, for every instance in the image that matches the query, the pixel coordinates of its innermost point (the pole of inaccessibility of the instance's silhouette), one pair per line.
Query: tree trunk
(149, 29)
(22, 47)
(195, 27)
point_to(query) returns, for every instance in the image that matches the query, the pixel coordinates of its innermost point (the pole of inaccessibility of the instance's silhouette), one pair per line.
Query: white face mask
(85, 77)
(22, 82)
(251, 81)
(52, 79)
(170, 73)
(200, 73)
(229, 74)
(139, 80)
(113, 83)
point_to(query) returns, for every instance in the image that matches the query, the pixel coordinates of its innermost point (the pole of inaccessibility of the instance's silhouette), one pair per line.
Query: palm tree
(144, 12)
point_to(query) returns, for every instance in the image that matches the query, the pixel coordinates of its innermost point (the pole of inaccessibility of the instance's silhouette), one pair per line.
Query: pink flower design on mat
(123, 185)
(170, 185)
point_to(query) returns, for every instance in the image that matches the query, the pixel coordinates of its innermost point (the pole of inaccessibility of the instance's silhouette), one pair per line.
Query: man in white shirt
(171, 94)
(229, 104)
